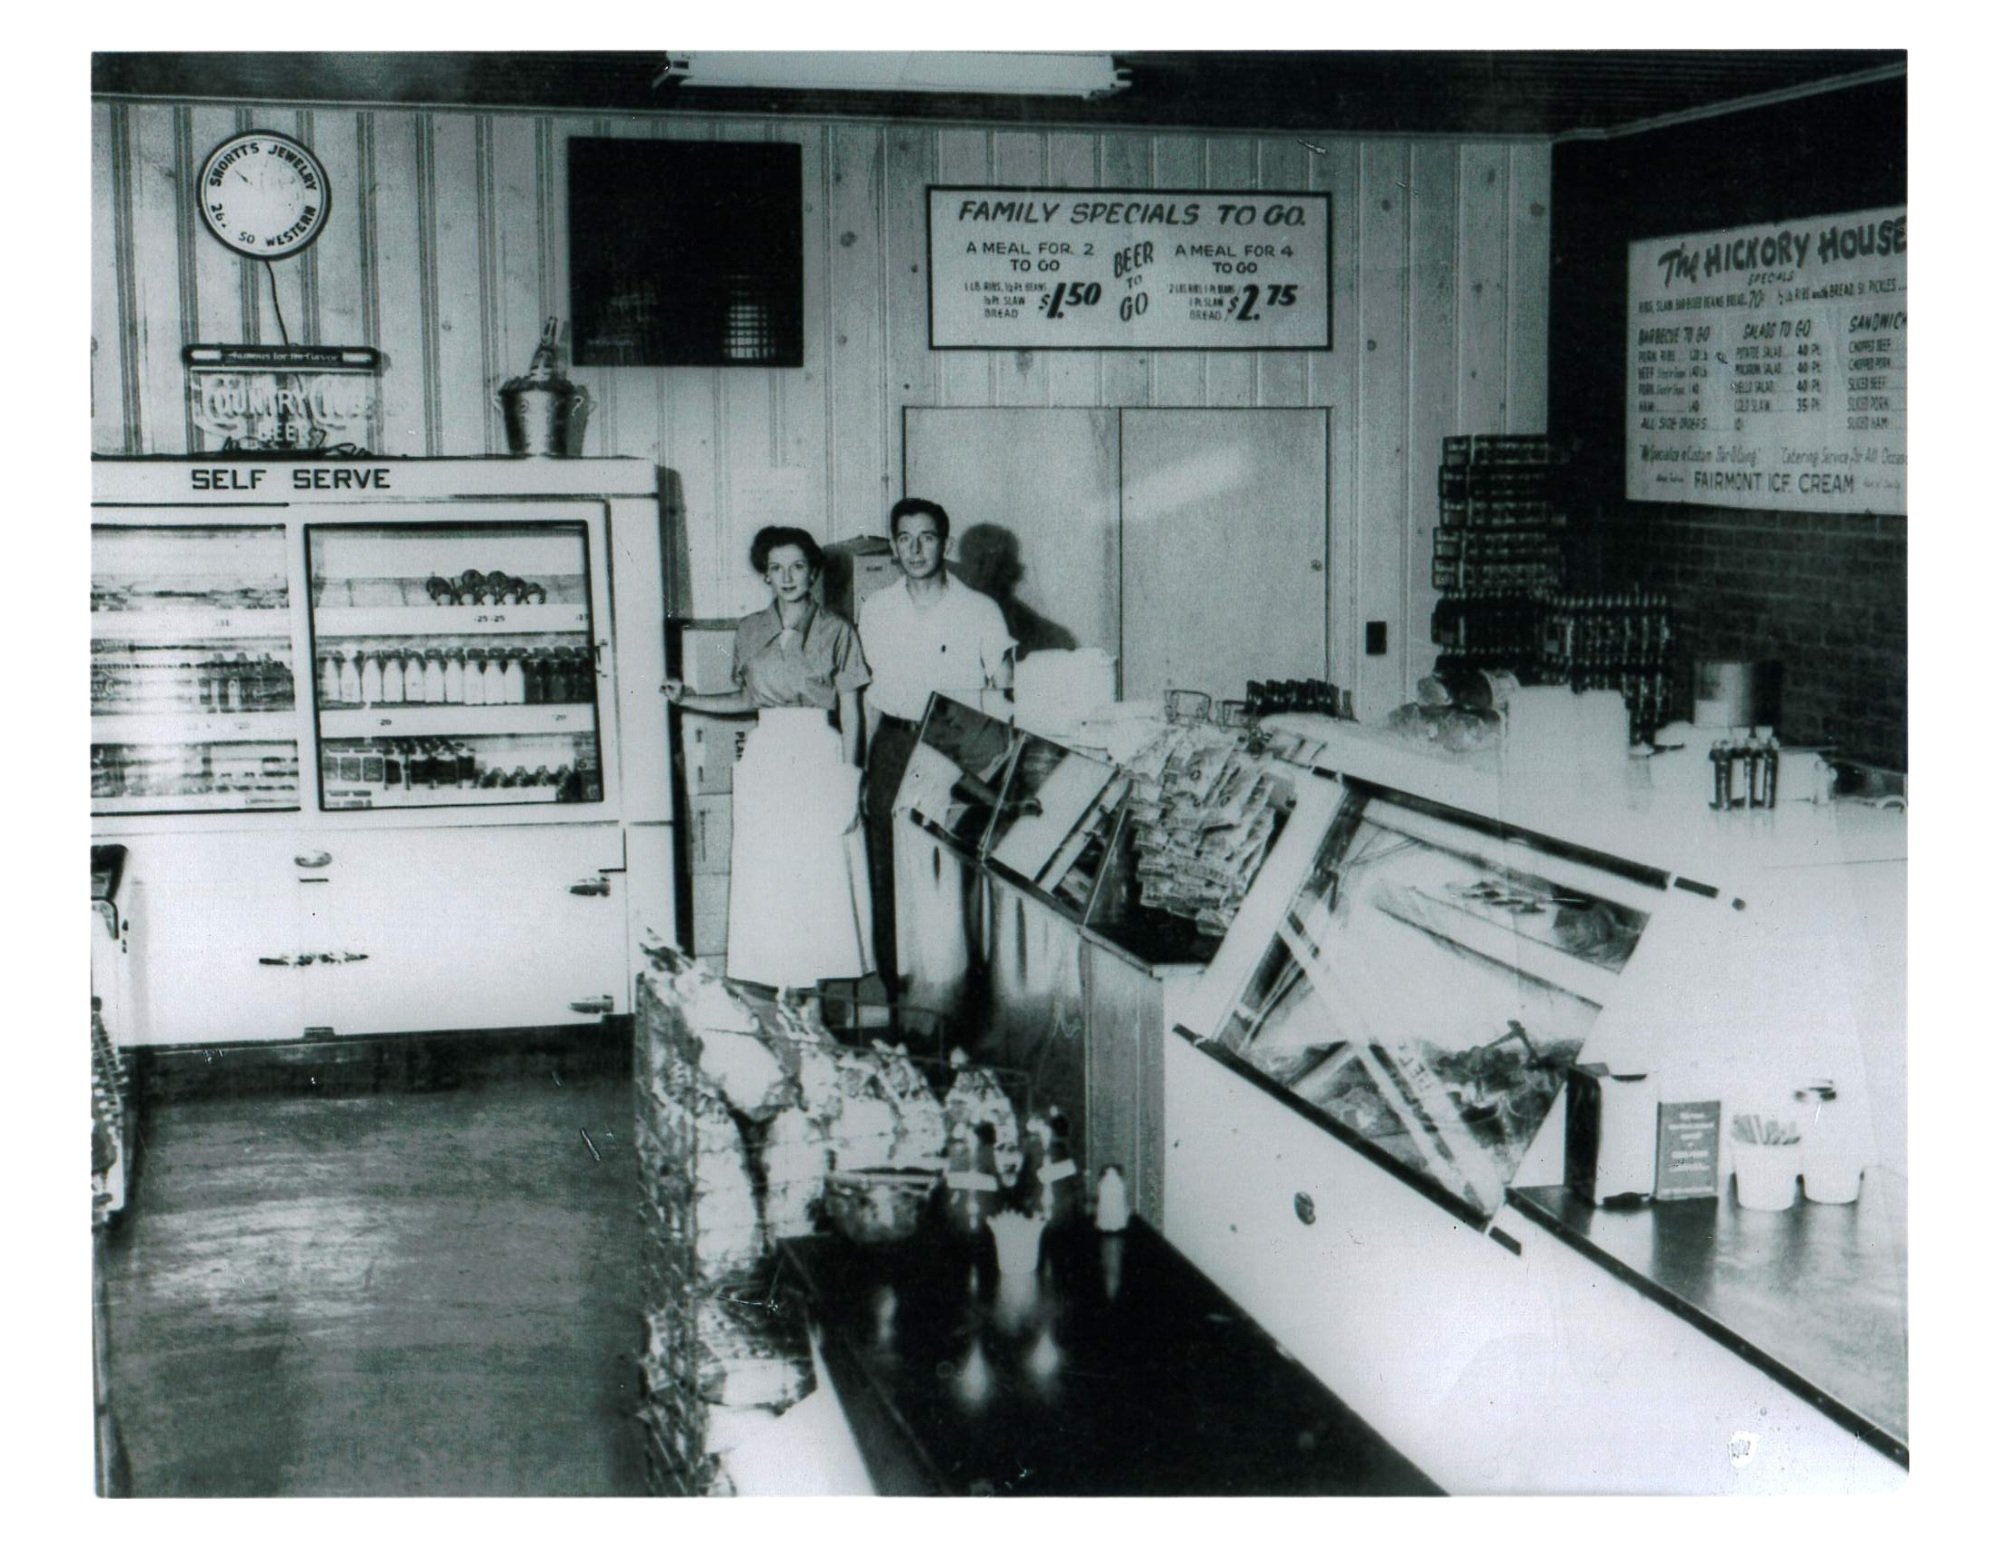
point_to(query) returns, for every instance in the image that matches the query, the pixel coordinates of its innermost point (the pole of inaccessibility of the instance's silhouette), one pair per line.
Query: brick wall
(1825, 595)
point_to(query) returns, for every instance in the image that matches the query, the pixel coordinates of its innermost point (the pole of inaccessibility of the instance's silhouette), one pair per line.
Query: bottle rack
(1497, 546)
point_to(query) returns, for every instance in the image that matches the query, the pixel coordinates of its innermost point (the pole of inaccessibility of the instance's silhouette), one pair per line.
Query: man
(928, 634)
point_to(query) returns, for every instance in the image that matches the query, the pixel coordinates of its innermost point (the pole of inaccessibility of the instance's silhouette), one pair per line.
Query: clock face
(264, 194)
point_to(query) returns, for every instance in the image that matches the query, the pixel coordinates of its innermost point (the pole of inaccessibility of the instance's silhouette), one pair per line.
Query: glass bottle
(392, 678)
(329, 677)
(532, 683)
(512, 688)
(454, 676)
(1828, 1156)
(433, 676)
(392, 765)
(371, 678)
(350, 680)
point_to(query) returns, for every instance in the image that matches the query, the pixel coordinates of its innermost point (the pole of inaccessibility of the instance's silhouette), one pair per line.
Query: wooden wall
(446, 247)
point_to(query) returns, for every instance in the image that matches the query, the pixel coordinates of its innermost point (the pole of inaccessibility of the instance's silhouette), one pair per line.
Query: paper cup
(1767, 1175)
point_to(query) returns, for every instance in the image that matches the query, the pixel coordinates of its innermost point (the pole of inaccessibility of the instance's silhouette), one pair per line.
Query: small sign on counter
(1689, 1149)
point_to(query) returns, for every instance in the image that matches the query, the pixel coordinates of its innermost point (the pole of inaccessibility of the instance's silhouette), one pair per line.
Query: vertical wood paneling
(158, 215)
(964, 376)
(1126, 379)
(463, 402)
(804, 401)
(1284, 165)
(1383, 449)
(1073, 376)
(1482, 289)
(685, 403)
(1433, 388)
(1020, 376)
(1337, 384)
(1178, 162)
(110, 417)
(223, 286)
(1528, 292)
(341, 317)
(398, 268)
(860, 357)
(515, 239)
(1231, 377)
(913, 368)
(448, 246)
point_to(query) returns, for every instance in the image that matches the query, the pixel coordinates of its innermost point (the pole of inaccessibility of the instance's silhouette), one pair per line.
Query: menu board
(1765, 366)
(1129, 268)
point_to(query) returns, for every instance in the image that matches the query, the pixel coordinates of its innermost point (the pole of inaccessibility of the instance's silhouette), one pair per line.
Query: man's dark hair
(936, 512)
(771, 538)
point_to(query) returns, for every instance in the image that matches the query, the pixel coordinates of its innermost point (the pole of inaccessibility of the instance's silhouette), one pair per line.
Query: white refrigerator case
(319, 847)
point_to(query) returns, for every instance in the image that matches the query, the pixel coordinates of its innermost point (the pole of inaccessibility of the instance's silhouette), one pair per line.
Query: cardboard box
(709, 829)
(710, 750)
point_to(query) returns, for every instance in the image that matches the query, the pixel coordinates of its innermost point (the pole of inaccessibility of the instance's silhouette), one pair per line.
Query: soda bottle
(454, 676)
(371, 678)
(329, 677)
(433, 676)
(512, 688)
(392, 678)
(350, 681)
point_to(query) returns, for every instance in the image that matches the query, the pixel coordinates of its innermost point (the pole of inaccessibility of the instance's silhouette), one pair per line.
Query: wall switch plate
(1377, 638)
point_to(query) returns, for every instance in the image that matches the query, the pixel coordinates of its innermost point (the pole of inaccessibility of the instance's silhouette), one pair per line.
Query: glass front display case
(1054, 820)
(192, 698)
(1190, 841)
(453, 664)
(1430, 985)
(956, 771)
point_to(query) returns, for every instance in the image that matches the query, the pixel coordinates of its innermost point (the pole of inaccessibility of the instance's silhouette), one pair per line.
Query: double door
(1191, 543)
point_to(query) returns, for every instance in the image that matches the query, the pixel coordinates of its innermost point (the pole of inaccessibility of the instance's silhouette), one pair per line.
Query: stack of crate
(718, 1342)
(1496, 550)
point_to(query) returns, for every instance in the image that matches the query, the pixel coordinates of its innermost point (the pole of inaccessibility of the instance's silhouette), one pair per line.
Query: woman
(798, 876)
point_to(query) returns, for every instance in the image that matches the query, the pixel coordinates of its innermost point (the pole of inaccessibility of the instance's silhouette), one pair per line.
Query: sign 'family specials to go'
(1765, 366)
(1129, 268)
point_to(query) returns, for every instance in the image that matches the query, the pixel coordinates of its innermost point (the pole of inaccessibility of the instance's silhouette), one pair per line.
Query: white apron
(798, 876)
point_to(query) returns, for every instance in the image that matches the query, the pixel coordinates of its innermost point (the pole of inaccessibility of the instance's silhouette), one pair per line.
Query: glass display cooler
(397, 722)
(1367, 1116)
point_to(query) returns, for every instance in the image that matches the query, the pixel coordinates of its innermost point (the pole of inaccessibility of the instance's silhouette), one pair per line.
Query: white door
(1223, 548)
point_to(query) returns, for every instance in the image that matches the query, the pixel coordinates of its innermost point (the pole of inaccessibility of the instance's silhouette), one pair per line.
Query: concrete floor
(380, 1294)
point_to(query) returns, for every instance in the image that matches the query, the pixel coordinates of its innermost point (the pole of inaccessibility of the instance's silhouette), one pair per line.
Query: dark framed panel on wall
(686, 253)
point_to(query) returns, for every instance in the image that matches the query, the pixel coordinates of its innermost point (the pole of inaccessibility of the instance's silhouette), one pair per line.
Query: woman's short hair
(771, 538)
(936, 512)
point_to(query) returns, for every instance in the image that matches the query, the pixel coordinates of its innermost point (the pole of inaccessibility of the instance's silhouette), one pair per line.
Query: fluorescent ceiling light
(1033, 75)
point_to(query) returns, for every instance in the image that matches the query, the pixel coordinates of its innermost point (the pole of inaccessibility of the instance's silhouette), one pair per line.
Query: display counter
(1114, 1370)
(1368, 1136)
(1815, 1296)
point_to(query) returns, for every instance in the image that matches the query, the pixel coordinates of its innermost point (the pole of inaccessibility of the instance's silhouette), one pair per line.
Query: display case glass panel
(956, 771)
(1430, 986)
(454, 664)
(1202, 814)
(1054, 820)
(192, 700)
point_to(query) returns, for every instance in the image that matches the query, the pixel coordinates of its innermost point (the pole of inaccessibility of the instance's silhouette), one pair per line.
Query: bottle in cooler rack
(454, 676)
(371, 677)
(467, 766)
(374, 771)
(433, 676)
(329, 677)
(512, 688)
(350, 679)
(392, 765)
(533, 687)
(392, 677)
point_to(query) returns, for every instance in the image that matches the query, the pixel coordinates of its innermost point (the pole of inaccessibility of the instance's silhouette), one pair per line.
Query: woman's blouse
(803, 667)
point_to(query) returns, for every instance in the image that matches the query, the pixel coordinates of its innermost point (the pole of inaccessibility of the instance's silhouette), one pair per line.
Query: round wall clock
(264, 195)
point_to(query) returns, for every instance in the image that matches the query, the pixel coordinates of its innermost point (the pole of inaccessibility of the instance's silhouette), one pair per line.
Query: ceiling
(1538, 93)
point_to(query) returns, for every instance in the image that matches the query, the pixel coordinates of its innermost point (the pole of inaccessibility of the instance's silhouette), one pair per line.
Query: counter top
(1117, 1369)
(1817, 1296)
(1649, 811)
